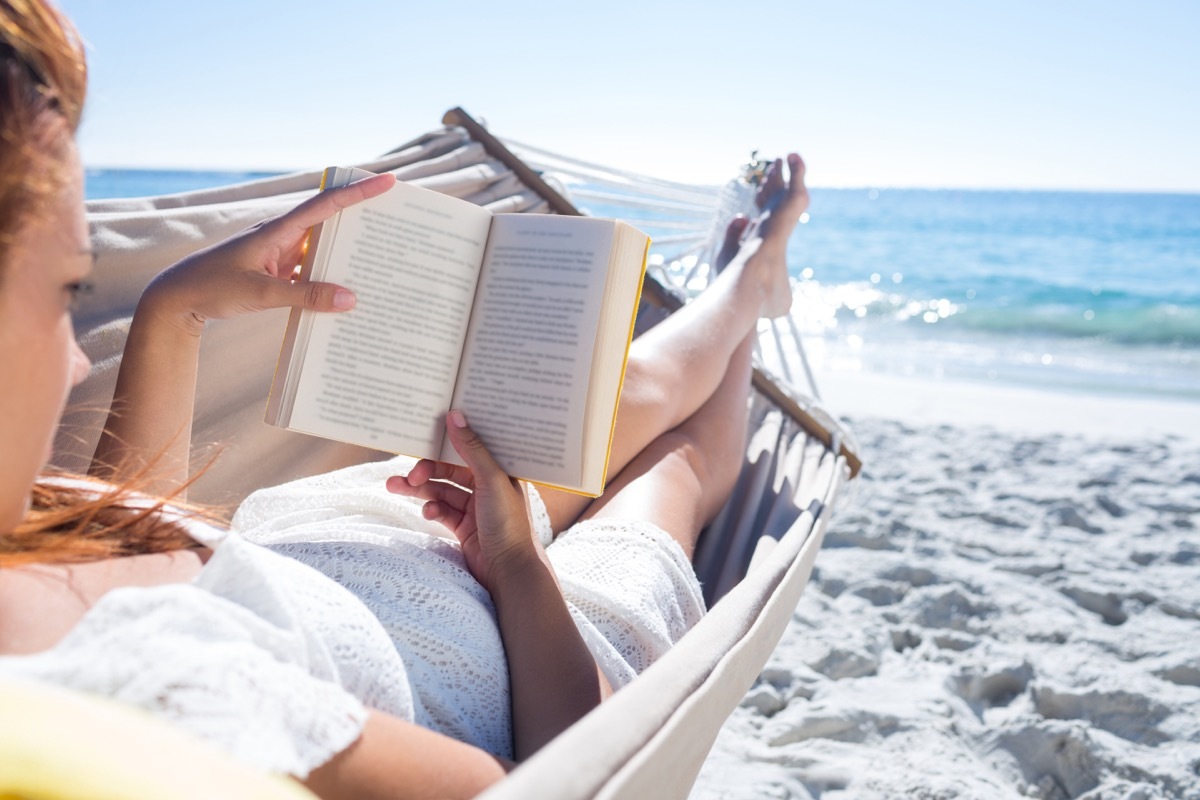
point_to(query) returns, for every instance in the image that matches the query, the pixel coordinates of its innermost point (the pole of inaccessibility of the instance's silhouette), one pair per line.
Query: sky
(1038, 94)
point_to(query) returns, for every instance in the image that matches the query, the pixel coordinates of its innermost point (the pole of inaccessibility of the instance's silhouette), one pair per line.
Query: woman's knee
(673, 483)
(691, 472)
(687, 454)
(666, 476)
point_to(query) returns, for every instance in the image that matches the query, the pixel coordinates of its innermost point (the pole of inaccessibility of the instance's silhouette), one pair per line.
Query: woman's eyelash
(79, 290)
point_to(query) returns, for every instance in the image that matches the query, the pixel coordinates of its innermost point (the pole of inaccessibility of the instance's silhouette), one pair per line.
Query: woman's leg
(677, 366)
(681, 479)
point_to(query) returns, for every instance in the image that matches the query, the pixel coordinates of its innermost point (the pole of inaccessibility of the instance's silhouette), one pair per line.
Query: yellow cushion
(57, 744)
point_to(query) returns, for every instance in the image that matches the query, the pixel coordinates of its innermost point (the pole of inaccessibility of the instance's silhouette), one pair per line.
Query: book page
(382, 374)
(524, 378)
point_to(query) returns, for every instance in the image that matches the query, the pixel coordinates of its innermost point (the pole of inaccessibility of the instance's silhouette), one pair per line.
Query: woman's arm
(554, 678)
(397, 759)
(149, 427)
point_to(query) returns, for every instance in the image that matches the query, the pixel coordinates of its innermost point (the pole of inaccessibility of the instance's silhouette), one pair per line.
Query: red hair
(78, 519)
(43, 79)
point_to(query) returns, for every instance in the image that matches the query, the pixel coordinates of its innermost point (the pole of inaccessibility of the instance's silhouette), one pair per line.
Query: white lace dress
(268, 658)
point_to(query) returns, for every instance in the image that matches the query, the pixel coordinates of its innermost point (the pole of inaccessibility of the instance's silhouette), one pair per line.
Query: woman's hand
(148, 433)
(487, 511)
(553, 677)
(253, 270)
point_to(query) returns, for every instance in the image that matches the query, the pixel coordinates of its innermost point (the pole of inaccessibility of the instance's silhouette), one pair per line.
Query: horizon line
(270, 171)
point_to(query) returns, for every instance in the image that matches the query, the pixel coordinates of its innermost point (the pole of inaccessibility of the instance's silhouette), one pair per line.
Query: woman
(422, 668)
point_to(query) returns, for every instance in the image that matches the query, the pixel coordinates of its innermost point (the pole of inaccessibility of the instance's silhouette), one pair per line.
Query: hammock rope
(687, 227)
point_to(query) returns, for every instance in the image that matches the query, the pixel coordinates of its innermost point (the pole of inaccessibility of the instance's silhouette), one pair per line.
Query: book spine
(637, 301)
(287, 368)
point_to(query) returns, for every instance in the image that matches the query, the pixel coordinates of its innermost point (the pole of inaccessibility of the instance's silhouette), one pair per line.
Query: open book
(522, 321)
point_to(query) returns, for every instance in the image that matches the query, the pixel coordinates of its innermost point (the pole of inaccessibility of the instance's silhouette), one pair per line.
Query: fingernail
(458, 419)
(344, 300)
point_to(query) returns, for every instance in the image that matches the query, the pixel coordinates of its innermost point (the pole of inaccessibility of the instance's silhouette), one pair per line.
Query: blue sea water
(110, 183)
(1071, 290)
(1084, 291)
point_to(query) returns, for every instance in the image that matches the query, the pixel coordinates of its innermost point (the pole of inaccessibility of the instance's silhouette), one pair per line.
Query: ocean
(110, 183)
(1076, 291)
(1081, 291)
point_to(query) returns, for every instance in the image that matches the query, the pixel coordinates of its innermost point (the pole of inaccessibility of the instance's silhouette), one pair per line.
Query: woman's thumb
(327, 297)
(311, 295)
(470, 447)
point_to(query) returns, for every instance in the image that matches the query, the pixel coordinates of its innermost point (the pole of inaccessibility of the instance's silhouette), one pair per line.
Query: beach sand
(1007, 604)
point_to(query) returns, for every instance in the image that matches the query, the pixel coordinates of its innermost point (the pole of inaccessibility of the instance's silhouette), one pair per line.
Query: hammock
(649, 739)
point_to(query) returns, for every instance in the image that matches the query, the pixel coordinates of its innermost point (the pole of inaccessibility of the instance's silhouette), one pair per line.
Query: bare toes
(796, 168)
(733, 241)
(797, 191)
(771, 186)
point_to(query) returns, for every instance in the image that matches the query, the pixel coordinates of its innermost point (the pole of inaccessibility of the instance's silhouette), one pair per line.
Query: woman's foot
(762, 244)
(771, 187)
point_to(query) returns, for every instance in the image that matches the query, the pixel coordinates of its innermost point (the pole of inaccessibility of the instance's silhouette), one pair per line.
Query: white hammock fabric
(650, 739)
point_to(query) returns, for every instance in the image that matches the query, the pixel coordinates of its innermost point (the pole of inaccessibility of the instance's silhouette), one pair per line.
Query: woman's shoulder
(246, 672)
(41, 603)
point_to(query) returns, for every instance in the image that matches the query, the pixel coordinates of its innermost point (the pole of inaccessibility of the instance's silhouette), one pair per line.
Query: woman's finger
(257, 291)
(325, 204)
(420, 472)
(319, 296)
(451, 497)
(429, 470)
(447, 515)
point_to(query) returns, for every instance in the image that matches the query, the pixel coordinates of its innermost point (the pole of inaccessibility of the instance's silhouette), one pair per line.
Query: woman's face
(39, 359)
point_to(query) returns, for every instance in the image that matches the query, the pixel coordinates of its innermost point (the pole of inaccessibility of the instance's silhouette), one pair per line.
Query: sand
(1007, 605)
